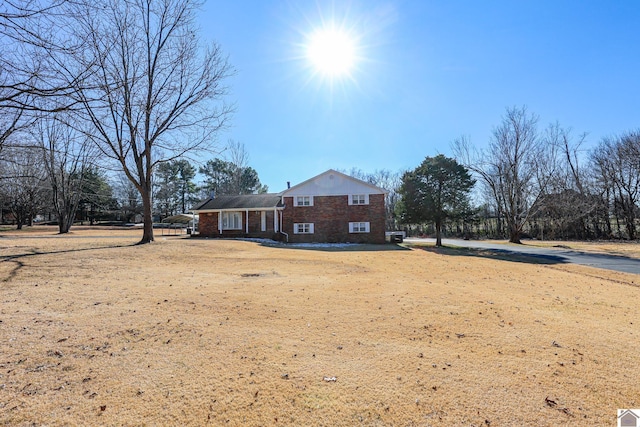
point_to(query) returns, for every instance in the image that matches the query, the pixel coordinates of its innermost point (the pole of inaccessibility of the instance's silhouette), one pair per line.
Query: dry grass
(629, 249)
(95, 331)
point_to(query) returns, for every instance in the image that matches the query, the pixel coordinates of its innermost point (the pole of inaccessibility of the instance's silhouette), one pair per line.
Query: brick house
(331, 207)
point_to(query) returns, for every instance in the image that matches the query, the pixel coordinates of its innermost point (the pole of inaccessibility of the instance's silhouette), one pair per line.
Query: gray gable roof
(245, 201)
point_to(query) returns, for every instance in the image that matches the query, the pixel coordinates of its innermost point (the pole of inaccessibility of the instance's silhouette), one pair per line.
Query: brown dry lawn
(96, 331)
(629, 249)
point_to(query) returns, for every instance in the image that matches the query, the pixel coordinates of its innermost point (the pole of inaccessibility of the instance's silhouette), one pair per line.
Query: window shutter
(366, 225)
(350, 203)
(311, 228)
(350, 227)
(366, 200)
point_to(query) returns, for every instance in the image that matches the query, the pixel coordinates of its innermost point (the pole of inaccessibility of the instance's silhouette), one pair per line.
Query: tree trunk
(66, 212)
(20, 219)
(62, 224)
(438, 234)
(66, 221)
(147, 234)
(514, 236)
(631, 227)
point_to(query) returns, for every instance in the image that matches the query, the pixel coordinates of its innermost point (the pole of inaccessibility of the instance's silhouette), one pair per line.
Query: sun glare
(332, 52)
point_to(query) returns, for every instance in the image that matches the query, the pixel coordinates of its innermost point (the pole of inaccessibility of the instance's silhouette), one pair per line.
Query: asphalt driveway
(559, 255)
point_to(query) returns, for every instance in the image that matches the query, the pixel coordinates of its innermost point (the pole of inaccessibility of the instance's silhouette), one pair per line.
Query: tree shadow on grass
(16, 259)
(496, 254)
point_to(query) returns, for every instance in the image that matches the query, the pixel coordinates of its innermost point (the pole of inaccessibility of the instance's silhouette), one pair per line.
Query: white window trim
(263, 221)
(227, 214)
(366, 199)
(296, 231)
(295, 201)
(367, 227)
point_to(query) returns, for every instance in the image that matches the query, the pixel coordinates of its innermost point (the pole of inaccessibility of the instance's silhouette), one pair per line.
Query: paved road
(560, 255)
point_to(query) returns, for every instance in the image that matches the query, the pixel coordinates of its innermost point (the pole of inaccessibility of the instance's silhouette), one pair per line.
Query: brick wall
(208, 224)
(331, 216)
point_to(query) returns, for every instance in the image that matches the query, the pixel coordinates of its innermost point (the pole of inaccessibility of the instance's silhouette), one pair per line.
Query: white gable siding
(332, 183)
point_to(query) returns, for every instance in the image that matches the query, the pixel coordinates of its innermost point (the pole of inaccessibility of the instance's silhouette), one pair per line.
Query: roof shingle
(245, 201)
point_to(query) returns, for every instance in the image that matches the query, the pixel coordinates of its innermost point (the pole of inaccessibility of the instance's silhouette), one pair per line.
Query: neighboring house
(331, 207)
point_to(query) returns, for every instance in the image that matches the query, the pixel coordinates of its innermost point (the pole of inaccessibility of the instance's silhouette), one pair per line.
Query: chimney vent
(288, 184)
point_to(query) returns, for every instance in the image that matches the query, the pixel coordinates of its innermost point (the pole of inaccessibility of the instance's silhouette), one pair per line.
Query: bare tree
(32, 40)
(516, 167)
(238, 158)
(617, 162)
(23, 186)
(243, 177)
(32, 43)
(67, 157)
(571, 208)
(20, 20)
(11, 122)
(153, 94)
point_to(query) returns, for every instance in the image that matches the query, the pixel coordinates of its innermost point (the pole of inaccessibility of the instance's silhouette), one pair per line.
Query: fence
(174, 229)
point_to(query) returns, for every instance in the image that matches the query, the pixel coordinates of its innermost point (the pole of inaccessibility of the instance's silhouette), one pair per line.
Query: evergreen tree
(437, 190)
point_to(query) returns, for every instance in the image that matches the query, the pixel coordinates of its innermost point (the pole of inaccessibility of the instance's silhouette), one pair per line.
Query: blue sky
(427, 72)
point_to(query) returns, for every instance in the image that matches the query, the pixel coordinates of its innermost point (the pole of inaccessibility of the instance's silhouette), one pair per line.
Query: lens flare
(331, 51)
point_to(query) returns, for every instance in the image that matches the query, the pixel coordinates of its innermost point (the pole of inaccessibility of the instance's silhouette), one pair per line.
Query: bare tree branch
(516, 167)
(153, 94)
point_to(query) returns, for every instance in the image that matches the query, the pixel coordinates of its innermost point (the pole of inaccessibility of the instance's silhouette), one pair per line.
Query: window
(359, 199)
(358, 227)
(303, 228)
(232, 220)
(303, 201)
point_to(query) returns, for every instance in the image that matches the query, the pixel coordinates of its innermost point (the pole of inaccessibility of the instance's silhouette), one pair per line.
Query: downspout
(285, 234)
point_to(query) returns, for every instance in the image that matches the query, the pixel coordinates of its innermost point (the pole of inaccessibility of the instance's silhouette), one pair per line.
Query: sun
(332, 52)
